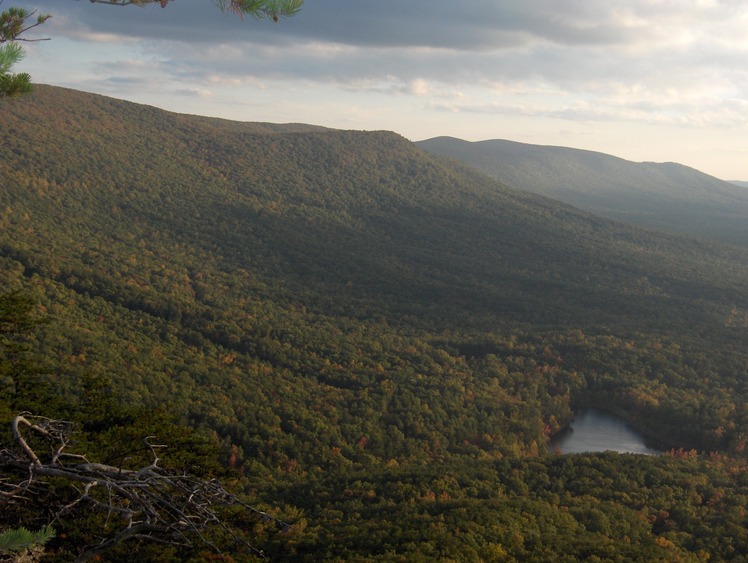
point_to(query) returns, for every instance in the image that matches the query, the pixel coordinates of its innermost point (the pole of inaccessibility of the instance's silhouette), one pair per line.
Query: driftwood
(152, 503)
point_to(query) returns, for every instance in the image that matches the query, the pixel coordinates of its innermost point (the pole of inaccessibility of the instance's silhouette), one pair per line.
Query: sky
(645, 80)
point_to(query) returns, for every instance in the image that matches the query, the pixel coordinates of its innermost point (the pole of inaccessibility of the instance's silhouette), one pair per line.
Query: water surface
(595, 430)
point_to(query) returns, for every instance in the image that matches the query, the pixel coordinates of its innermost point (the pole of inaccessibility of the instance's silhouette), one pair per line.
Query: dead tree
(152, 503)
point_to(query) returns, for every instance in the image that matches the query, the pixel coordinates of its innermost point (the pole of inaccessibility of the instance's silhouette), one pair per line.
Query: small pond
(595, 430)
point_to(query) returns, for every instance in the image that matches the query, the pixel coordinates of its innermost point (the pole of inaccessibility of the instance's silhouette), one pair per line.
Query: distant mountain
(739, 183)
(665, 196)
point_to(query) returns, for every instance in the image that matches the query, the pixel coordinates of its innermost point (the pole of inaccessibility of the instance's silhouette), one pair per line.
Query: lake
(595, 430)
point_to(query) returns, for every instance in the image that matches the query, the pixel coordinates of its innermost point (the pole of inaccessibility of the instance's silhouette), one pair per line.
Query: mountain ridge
(281, 191)
(666, 196)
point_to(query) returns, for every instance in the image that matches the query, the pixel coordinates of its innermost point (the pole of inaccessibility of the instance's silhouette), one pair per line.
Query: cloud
(475, 25)
(664, 62)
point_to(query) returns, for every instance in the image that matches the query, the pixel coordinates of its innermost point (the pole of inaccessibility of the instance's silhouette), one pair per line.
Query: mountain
(739, 183)
(380, 341)
(665, 196)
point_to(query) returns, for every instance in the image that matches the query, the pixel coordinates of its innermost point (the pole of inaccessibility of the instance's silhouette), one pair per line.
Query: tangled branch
(153, 503)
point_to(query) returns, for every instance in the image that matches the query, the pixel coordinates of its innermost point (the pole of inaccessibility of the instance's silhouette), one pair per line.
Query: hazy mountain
(662, 195)
(739, 183)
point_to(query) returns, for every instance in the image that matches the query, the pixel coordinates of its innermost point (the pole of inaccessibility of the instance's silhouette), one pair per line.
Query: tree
(25, 543)
(97, 479)
(13, 23)
(43, 478)
(22, 380)
(16, 21)
(259, 9)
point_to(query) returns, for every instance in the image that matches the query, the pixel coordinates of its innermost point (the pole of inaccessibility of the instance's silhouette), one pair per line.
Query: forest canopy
(373, 345)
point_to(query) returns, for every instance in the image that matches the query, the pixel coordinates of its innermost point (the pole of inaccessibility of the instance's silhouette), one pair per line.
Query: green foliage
(12, 84)
(23, 380)
(16, 315)
(9, 55)
(14, 22)
(21, 539)
(571, 508)
(259, 9)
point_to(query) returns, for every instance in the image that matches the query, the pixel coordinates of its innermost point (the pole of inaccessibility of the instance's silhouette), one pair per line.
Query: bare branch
(155, 504)
(20, 419)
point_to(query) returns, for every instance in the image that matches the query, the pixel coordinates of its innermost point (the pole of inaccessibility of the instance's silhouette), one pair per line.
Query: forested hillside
(377, 343)
(666, 196)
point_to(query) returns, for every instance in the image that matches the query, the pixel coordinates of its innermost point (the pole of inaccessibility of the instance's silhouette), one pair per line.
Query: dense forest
(370, 344)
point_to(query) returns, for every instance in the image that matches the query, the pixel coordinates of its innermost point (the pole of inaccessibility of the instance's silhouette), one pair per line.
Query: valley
(372, 343)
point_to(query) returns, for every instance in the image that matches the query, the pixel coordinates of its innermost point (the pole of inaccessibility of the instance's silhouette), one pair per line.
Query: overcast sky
(655, 80)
